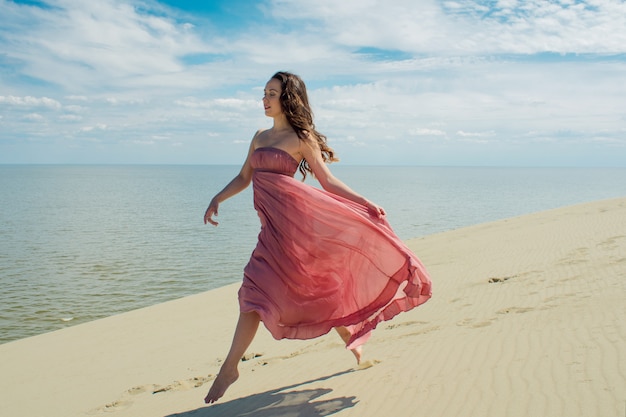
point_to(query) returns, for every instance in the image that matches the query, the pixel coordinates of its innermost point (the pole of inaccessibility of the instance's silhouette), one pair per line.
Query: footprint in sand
(140, 389)
(481, 324)
(469, 322)
(264, 361)
(110, 407)
(465, 322)
(126, 401)
(366, 364)
(184, 385)
(500, 279)
(250, 356)
(528, 277)
(574, 257)
(514, 310)
(610, 243)
(261, 362)
(421, 332)
(472, 323)
(406, 323)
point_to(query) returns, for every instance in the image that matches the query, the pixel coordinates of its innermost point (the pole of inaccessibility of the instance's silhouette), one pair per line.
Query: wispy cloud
(426, 132)
(96, 46)
(413, 78)
(29, 101)
(468, 26)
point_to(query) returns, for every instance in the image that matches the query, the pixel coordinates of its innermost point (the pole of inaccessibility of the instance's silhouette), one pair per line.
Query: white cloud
(426, 132)
(29, 101)
(35, 117)
(237, 103)
(468, 26)
(226, 103)
(77, 43)
(144, 142)
(98, 126)
(403, 76)
(73, 108)
(476, 134)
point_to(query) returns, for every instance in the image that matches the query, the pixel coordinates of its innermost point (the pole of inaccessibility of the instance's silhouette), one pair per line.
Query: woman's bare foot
(224, 380)
(345, 336)
(244, 333)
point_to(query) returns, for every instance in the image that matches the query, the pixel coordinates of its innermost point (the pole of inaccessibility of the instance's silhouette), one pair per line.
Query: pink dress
(323, 261)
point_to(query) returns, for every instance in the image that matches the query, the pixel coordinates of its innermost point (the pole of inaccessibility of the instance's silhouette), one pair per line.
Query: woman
(325, 258)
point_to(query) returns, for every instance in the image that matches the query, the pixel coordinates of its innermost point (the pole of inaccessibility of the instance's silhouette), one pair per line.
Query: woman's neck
(281, 123)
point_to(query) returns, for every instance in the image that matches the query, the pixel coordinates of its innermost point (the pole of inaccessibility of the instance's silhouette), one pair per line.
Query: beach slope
(527, 319)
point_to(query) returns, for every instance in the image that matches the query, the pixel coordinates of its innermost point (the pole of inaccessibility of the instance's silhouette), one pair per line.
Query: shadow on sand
(279, 402)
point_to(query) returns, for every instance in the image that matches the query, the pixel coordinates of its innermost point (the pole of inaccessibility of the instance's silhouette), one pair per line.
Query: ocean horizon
(83, 242)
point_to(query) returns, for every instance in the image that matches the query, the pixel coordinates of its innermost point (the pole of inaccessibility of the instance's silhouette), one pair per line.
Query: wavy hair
(295, 105)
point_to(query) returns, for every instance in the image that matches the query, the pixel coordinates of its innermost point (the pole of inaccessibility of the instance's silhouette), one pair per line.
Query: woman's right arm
(238, 184)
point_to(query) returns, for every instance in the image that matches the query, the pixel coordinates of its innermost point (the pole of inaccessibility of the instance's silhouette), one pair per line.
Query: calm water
(78, 243)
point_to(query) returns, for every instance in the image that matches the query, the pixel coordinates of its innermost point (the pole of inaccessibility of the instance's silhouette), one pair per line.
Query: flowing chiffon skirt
(323, 261)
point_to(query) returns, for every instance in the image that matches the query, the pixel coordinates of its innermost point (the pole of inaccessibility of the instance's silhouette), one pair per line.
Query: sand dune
(527, 319)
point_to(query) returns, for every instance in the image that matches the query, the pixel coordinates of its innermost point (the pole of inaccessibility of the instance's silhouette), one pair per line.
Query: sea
(83, 242)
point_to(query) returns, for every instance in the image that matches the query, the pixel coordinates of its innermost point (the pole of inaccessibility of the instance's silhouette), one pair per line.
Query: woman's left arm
(311, 152)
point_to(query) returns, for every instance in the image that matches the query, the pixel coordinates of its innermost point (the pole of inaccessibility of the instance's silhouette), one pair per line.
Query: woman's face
(271, 98)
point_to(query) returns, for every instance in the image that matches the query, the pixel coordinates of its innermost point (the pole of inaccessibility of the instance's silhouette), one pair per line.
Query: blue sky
(472, 83)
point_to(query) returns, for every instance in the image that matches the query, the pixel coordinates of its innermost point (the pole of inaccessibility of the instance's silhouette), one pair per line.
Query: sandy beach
(527, 319)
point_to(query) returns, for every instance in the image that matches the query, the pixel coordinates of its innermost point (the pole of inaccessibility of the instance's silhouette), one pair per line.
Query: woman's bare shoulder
(309, 140)
(258, 135)
(260, 132)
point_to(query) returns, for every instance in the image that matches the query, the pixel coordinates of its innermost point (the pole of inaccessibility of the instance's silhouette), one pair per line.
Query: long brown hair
(295, 104)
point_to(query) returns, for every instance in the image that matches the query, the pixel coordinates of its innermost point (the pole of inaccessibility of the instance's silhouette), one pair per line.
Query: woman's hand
(375, 209)
(212, 210)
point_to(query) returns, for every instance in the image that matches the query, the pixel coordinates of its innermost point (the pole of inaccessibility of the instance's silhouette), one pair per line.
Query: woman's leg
(345, 336)
(244, 333)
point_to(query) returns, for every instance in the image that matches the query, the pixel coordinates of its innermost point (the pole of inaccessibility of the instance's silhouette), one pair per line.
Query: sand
(528, 318)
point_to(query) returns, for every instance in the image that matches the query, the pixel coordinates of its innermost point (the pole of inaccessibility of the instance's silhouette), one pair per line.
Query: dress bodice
(270, 159)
